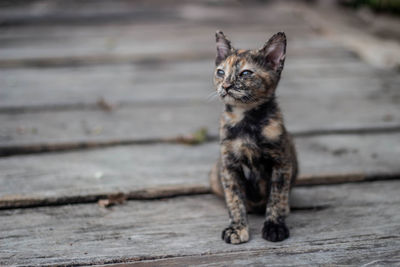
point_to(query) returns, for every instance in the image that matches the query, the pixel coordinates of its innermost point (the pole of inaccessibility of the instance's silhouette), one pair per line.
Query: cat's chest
(243, 149)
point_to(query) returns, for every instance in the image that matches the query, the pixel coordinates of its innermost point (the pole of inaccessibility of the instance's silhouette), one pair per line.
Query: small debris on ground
(116, 199)
(104, 105)
(198, 137)
(342, 151)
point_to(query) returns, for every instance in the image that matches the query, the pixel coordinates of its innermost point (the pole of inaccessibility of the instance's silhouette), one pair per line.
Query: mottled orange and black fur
(257, 164)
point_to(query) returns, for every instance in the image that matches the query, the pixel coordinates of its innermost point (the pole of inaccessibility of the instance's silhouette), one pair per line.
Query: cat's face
(248, 77)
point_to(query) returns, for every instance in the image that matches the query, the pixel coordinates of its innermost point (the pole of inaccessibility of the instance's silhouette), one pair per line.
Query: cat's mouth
(235, 97)
(223, 93)
(226, 95)
(231, 96)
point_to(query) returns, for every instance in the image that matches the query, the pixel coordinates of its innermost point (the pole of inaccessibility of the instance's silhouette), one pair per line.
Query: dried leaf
(103, 104)
(198, 137)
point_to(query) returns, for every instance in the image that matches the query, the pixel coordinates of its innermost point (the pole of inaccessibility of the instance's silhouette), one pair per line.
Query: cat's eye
(220, 72)
(246, 73)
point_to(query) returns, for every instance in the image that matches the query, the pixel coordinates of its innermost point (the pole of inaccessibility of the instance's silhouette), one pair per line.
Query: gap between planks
(75, 61)
(6, 151)
(162, 192)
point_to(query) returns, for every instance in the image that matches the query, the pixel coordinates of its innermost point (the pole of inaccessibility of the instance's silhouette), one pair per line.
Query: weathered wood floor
(103, 100)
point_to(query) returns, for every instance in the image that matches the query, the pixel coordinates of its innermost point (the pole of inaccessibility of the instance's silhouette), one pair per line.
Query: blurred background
(87, 74)
(95, 71)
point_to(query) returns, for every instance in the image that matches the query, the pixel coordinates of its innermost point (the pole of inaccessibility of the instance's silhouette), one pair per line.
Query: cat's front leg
(275, 228)
(238, 230)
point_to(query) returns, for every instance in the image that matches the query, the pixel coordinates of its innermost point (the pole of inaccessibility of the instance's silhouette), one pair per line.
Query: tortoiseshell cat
(257, 163)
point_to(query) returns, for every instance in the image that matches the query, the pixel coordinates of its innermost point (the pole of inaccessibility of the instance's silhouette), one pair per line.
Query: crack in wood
(164, 192)
(6, 151)
(12, 110)
(145, 194)
(105, 59)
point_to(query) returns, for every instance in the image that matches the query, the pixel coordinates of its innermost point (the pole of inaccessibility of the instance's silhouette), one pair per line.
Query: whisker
(212, 96)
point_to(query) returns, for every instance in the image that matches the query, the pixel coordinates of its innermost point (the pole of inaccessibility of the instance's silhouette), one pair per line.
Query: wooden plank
(174, 80)
(71, 12)
(137, 83)
(339, 103)
(145, 122)
(330, 158)
(125, 169)
(186, 230)
(151, 171)
(264, 257)
(50, 12)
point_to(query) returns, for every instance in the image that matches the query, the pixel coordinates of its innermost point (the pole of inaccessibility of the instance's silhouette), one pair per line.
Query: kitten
(257, 163)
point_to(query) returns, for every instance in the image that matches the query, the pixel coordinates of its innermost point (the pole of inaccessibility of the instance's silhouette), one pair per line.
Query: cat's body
(257, 163)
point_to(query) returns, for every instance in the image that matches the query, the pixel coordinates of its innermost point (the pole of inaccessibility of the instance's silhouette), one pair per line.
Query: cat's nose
(227, 85)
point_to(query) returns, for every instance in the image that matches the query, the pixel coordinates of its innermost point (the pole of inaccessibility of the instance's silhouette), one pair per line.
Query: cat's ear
(274, 51)
(223, 47)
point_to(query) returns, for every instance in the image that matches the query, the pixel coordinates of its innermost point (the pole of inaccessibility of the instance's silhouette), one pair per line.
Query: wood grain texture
(357, 225)
(157, 81)
(164, 30)
(127, 43)
(83, 13)
(138, 122)
(151, 171)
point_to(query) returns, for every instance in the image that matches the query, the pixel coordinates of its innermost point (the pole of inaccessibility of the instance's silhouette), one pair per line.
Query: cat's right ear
(274, 51)
(223, 47)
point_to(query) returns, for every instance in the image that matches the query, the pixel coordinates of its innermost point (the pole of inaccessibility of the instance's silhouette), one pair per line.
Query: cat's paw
(236, 234)
(275, 231)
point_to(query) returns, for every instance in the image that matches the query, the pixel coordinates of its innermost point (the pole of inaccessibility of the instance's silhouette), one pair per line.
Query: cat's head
(248, 77)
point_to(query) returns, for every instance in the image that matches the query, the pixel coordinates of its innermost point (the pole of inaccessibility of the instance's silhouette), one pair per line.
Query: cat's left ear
(274, 51)
(223, 47)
